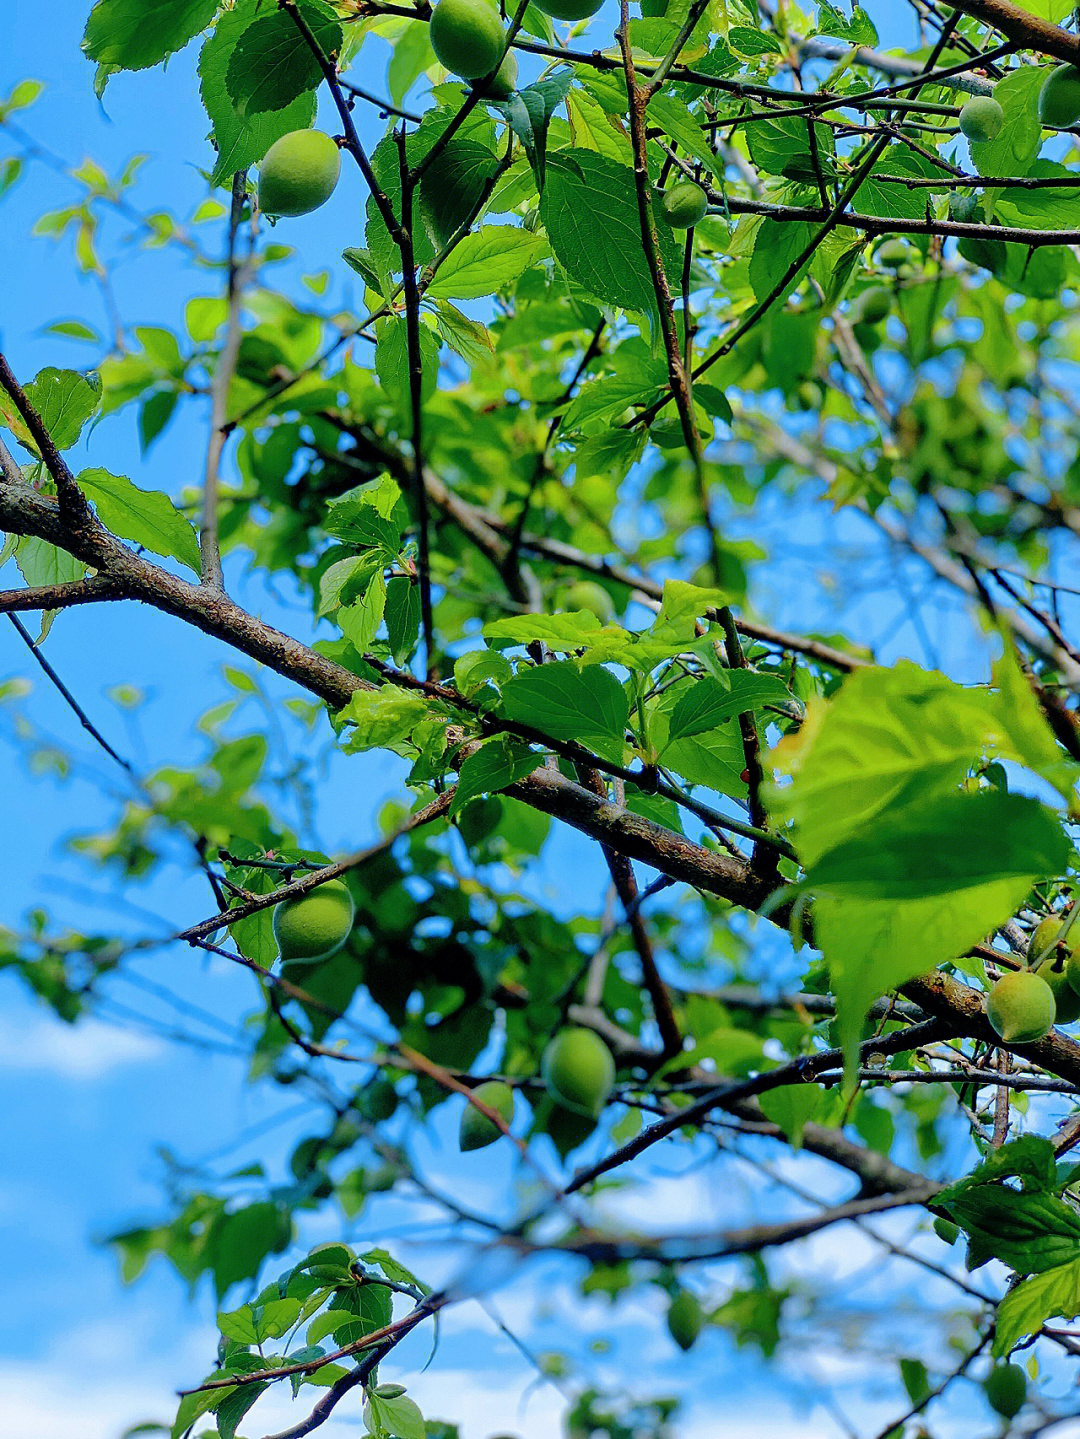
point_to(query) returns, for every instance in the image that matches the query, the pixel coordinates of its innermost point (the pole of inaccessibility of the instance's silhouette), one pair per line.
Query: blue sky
(86, 1108)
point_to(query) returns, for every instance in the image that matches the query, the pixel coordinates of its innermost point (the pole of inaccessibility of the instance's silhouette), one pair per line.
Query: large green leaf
(64, 399)
(242, 140)
(134, 34)
(567, 702)
(1025, 1309)
(486, 261)
(590, 211)
(272, 63)
(145, 517)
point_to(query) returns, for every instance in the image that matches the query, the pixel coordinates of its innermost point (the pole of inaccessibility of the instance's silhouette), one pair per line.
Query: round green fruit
(946, 1230)
(981, 118)
(683, 205)
(685, 1319)
(872, 306)
(588, 595)
(1020, 1007)
(377, 1101)
(317, 924)
(569, 9)
(477, 1131)
(1054, 969)
(467, 37)
(578, 1070)
(299, 173)
(1046, 936)
(894, 253)
(504, 82)
(1005, 1388)
(1059, 98)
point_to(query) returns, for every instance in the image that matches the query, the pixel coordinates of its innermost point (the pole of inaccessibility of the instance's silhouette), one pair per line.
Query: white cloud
(86, 1050)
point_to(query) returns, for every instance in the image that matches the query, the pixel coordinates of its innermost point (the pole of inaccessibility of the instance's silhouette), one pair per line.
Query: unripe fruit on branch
(894, 253)
(981, 118)
(1044, 938)
(504, 82)
(315, 925)
(1005, 1388)
(588, 595)
(299, 173)
(685, 1319)
(1066, 1000)
(569, 9)
(377, 1101)
(578, 1070)
(1059, 98)
(1020, 1007)
(946, 1230)
(872, 306)
(467, 37)
(683, 205)
(477, 1130)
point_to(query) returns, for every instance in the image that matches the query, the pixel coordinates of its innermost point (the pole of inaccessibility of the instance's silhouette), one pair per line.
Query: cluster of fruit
(1025, 1004)
(300, 170)
(577, 1067)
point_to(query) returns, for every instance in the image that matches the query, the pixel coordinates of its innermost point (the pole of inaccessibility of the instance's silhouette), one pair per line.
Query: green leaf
(792, 1108)
(496, 764)
(145, 517)
(566, 632)
(1025, 1309)
(569, 703)
(398, 1417)
(402, 617)
(451, 187)
(43, 564)
(1029, 1232)
(606, 257)
(708, 702)
(272, 64)
(529, 112)
(134, 34)
(382, 717)
(360, 622)
(392, 362)
(64, 399)
(241, 140)
(485, 262)
(908, 873)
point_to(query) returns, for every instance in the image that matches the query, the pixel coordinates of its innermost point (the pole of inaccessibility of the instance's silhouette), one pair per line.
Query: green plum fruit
(569, 9)
(504, 82)
(683, 205)
(1054, 969)
(981, 118)
(578, 1070)
(588, 595)
(299, 173)
(1020, 1007)
(377, 1101)
(946, 1230)
(467, 37)
(1059, 98)
(477, 1131)
(685, 1319)
(872, 306)
(1005, 1388)
(315, 925)
(894, 254)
